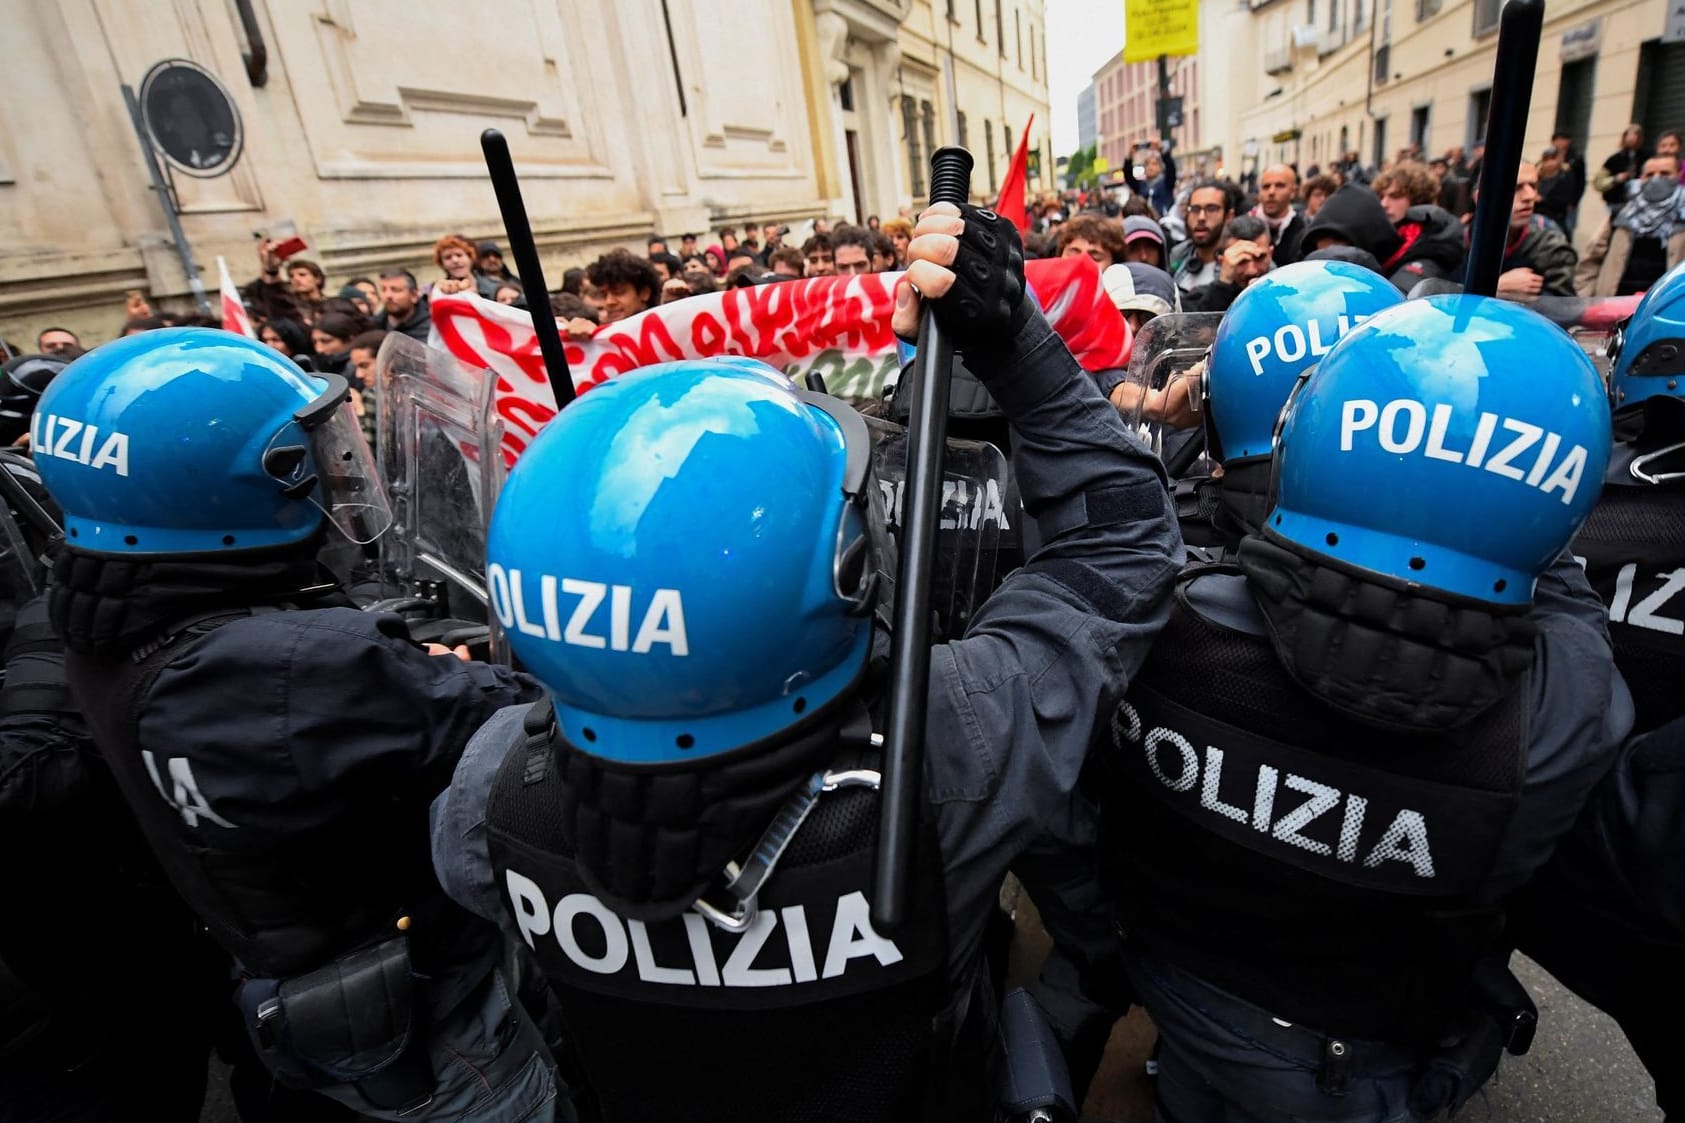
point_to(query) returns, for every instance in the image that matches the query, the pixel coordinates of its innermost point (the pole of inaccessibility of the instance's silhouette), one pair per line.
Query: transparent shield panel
(1165, 372)
(979, 524)
(442, 472)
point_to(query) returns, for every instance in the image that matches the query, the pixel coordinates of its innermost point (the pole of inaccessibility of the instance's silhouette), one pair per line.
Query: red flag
(1011, 202)
(1076, 305)
(234, 316)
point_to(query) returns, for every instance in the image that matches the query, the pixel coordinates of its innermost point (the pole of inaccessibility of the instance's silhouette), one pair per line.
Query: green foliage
(1079, 172)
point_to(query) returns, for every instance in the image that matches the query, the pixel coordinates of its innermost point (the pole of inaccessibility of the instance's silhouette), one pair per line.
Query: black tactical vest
(1326, 870)
(808, 1014)
(278, 910)
(1633, 546)
(88, 864)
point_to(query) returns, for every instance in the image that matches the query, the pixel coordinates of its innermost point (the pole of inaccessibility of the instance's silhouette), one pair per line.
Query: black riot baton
(501, 166)
(1521, 25)
(909, 652)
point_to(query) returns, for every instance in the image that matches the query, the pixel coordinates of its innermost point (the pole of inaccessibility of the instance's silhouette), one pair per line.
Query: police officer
(278, 747)
(1633, 544)
(1279, 328)
(685, 835)
(1607, 915)
(1337, 762)
(62, 1054)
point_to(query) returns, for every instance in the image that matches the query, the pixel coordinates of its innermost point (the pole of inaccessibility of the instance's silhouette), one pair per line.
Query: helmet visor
(861, 531)
(349, 489)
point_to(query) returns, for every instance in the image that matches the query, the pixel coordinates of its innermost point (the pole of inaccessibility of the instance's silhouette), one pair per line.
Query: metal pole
(1506, 127)
(1164, 100)
(909, 654)
(183, 251)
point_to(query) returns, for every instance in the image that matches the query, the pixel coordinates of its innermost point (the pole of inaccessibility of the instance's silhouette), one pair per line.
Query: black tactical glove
(988, 304)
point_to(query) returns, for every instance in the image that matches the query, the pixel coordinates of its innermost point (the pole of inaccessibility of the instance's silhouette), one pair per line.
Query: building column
(832, 30)
(885, 174)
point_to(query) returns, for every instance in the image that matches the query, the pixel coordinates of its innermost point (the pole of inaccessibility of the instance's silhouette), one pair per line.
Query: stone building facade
(1379, 76)
(361, 122)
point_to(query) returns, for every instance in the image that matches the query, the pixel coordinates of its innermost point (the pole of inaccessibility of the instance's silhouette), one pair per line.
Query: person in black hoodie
(1427, 243)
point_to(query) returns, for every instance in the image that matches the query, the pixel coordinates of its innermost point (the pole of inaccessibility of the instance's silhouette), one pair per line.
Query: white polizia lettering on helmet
(1504, 446)
(1292, 343)
(1175, 763)
(65, 438)
(626, 942)
(513, 599)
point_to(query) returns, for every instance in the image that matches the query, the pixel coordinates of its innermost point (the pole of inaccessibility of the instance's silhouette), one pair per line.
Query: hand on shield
(1177, 404)
(1174, 405)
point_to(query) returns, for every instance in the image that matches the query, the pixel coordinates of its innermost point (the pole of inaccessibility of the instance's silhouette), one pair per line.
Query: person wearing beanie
(488, 262)
(1143, 241)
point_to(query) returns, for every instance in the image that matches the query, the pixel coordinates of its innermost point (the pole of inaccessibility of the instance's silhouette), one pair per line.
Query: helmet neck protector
(1384, 650)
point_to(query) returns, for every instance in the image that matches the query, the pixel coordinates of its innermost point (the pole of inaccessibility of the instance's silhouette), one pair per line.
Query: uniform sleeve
(416, 711)
(284, 720)
(1580, 715)
(1015, 704)
(461, 852)
(1606, 915)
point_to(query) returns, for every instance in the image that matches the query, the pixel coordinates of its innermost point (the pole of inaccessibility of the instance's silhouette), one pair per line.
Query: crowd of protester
(1165, 244)
(1203, 241)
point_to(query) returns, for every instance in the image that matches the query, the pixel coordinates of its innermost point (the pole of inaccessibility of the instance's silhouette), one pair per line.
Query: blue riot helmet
(198, 441)
(1281, 326)
(1455, 443)
(686, 557)
(1648, 351)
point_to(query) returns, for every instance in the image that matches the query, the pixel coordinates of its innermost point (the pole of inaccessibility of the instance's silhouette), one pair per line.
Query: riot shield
(438, 439)
(979, 525)
(1166, 363)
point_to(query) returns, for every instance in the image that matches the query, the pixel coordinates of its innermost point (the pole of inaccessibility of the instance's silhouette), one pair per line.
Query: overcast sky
(1081, 36)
